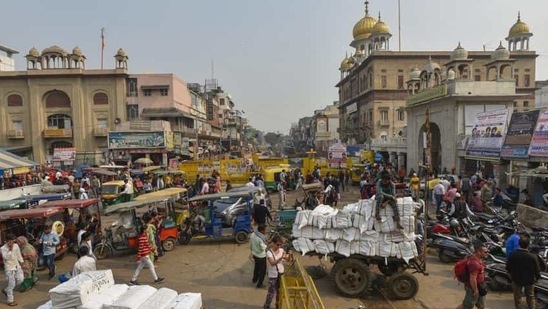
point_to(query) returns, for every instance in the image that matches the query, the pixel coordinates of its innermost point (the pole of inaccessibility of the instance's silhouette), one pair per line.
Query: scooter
(541, 291)
(450, 248)
(497, 278)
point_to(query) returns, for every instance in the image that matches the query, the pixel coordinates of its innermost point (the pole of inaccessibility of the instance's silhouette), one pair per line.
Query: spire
(366, 8)
(519, 16)
(379, 15)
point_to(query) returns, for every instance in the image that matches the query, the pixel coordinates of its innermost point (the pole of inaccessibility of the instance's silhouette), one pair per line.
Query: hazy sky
(277, 58)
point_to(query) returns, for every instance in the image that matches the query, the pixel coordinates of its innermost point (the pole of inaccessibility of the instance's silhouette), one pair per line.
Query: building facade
(326, 127)
(373, 87)
(58, 103)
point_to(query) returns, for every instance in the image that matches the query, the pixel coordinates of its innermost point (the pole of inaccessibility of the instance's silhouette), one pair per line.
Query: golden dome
(346, 64)
(519, 28)
(380, 27)
(362, 29)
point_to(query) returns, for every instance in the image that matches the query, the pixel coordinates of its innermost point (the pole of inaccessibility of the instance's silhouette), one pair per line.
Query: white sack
(386, 249)
(159, 300)
(343, 247)
(408, 223)
(351, 233)
(105, 297)
(372, 236)
(132, 298)
(187, 301)
(406, 206)
(303, 245)
(325, 210)
(407, 250)
(78, 290)
(392, 237)
(385, 225)
(342, 220)
(351, 208)
(308, 232)
(301, 218)
(48, 305)
(333, 234)
(366, 208)
(366, 248)
(360, 222)
(324, 247)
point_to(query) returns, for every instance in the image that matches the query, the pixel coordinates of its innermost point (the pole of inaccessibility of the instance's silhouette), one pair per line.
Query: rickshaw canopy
(28, 213)
(12, 204)
(133, 205)
(48, 197)
(55, 189)
(70, 203)
(147, 169)
(103, 172)
(114, 183)
(113, 167)
(164, 172)
(224, 195)
(166, 194)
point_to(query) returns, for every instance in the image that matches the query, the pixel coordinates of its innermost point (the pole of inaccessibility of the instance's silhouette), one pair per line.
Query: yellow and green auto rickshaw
(357, 172)
(272, 176)
(111, 192)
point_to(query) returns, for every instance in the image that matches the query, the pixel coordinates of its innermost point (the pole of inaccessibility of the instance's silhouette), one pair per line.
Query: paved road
(221, 271)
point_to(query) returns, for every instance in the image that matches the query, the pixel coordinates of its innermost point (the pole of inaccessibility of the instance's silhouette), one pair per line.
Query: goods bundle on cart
(353, 239)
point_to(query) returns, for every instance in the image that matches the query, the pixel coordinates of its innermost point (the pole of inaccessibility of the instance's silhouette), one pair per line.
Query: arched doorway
(436, 145)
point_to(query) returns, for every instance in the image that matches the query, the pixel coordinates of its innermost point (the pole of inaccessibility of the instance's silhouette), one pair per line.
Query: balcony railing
(16, 134)
(384, 123)
(56, 133)
(399, 142)
(100, 132)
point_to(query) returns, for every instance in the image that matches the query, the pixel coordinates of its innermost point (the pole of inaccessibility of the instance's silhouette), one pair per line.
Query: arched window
(100, 98)
(15, 100)
(59, 121)
(57, 98)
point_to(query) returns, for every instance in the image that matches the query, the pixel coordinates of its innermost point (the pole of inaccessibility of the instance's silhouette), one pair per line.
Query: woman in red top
(143, 258)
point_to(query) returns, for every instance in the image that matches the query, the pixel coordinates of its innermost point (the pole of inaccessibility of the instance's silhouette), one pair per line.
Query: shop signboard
(488, 134)
(185, 143)
(336, 156)
(539, 141)
(64, 154)
(518, 136)
(136, 140)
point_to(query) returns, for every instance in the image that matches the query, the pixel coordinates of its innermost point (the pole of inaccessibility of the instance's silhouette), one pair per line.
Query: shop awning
(160, 112)
(10, 161)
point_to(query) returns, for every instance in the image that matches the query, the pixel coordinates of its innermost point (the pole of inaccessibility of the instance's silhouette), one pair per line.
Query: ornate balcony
(16, 134)
(100, 132)
(57, 133)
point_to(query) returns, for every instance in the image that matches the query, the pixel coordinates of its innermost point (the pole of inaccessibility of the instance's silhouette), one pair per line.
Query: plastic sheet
(159, 300)
(187, 301)
(132, 298)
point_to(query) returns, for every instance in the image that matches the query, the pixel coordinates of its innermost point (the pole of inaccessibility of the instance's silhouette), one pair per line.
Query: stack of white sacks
(97, 290)
(355, 230)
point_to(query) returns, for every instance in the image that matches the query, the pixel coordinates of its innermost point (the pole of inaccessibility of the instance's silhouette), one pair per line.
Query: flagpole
(102, 46)
(399, 25)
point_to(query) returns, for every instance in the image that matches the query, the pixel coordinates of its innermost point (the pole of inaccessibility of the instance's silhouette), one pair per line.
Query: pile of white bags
(96, 290)
(355, 230)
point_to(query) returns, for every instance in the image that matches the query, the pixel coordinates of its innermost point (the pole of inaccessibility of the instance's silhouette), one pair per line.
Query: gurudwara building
(57, 103)
(375, 83)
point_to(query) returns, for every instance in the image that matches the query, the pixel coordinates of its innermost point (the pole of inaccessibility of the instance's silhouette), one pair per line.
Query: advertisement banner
(64, 154)
(539, 141)
(136, 140)
(185, 143)
(337, 156)
(519, 133)
(488, 134)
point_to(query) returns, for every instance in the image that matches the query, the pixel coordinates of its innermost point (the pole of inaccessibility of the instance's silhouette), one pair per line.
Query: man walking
(524, 270)
(476, 270)
(260, 213)
(258, 245)
(49, 241)
(439, 192)
(11, 255)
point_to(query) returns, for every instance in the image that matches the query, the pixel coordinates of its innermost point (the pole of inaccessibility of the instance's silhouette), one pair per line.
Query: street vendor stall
(12, 169)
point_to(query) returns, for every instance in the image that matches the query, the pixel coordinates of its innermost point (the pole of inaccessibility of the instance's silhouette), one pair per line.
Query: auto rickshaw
(77, 211)
(30, 223)
(272, 176)
(111, 192)
(55, 189)
(13, 204)
(204, 222)
(178, 198)
(357, 172)
(122, 234)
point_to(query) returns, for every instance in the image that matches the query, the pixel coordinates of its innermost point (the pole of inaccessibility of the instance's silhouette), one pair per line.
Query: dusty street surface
(222, 272)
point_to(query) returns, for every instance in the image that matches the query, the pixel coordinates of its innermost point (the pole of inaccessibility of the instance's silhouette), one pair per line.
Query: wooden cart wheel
(403, 285)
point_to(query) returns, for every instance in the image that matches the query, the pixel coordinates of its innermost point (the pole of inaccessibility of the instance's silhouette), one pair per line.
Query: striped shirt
(144, 246)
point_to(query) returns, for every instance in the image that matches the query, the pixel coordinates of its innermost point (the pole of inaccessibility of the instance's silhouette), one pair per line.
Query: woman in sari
(30, 257)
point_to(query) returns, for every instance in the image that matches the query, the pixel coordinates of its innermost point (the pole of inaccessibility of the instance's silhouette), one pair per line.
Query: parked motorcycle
(541, 291)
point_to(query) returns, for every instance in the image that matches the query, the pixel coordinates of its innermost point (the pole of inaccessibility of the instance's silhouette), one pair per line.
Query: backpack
(461, 270)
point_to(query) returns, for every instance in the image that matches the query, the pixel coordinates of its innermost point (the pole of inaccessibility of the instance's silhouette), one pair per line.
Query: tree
(272, 138)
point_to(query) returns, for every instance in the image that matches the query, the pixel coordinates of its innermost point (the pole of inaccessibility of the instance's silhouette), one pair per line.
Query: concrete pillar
(401, 160)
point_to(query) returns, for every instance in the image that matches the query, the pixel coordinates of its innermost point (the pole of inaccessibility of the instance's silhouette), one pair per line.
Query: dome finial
(366, 8)
(379, 15)
(519, 15)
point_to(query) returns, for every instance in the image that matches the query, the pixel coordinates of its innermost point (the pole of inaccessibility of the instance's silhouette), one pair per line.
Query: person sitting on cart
(199, 219)
(386, 193)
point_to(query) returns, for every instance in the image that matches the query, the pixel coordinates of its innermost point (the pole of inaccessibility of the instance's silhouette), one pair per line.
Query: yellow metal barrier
(297, 289)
